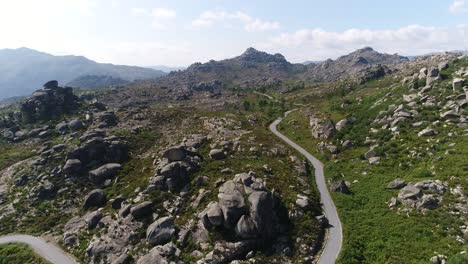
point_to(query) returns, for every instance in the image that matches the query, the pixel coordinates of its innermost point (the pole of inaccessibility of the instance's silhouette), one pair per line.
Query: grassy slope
(17, 253)
(373, 233)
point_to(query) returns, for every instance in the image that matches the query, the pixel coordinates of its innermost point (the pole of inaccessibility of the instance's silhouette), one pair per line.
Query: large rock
(322, 128)
(409, 195)
(160, 255)
(161, 231)
(396, 184)
(104, 172)
(93, 218)
(344, 123)
(339, 186)
(457, 84)
(231, 201)
(142, 210)
(49, 103)
(214, 214)
(72, 166)
(177, 153)
(217, 154)
(95, 198)
(427, 132)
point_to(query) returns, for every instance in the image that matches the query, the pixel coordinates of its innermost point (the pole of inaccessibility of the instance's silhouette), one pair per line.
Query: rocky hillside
(395, 151)
(251, 69)
(23, 69)
(362, 65)
(156, 183)
(256, 69)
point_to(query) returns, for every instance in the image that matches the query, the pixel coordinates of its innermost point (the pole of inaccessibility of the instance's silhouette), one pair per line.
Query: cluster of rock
(423, 195)
(97, 151)
(322, 128)
(246, 208)
(49, 103)
(173, 171)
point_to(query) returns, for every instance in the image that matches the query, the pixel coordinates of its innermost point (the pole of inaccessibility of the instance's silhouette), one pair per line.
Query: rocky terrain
(183, 169)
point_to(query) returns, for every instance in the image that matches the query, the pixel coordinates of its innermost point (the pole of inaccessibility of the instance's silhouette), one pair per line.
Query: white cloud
(410, 40)
(160, 14)
(458, 7)
(163, 13)
(138, 11)
(251, 24)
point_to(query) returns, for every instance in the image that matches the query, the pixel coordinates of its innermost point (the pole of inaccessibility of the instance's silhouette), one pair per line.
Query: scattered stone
(340, 186)
(396, 184)
(72, 166)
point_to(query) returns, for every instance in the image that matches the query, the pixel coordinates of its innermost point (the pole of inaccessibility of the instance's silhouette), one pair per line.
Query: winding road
(334, 239)
(48, 251)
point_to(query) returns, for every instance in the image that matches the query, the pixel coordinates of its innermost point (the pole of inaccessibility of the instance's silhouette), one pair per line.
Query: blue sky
(155, 32)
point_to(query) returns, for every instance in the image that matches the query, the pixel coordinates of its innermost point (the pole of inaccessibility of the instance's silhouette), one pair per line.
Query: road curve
(49, 252)
(334, 239)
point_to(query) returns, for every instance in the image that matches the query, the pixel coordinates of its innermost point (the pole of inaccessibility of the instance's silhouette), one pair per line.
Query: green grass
(17, 253)
(372, 232)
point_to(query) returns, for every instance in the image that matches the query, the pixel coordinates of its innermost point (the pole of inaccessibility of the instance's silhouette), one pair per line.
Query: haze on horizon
(178, 33)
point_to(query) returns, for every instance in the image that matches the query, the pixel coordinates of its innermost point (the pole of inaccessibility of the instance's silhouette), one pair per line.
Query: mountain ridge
(24, 70)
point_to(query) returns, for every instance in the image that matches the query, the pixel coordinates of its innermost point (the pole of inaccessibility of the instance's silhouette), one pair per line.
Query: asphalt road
(334, 238)
(46, 250)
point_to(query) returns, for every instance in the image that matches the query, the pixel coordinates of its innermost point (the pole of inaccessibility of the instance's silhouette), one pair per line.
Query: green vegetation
(372, 232)
(16, 253)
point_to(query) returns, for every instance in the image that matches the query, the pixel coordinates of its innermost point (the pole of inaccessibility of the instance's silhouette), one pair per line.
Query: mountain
(254, 69)
(24, 70)
(166, 69)
(251, 69)
(96, 81)
(362, 64)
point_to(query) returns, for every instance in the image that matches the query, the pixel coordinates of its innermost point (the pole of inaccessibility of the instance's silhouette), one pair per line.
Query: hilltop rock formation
(49, 103)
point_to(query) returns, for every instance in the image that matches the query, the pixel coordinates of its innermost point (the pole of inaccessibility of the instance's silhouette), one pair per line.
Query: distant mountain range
(24, 70)
(166, 69)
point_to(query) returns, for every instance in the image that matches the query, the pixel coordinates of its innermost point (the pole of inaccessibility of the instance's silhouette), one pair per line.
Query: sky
(181, 32)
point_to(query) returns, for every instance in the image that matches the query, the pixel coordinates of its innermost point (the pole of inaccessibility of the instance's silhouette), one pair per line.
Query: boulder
(347, 144)
(409, 195)
(161, 231)
(142, 210)
(322, 128)
(117, 202)
(51, 84)
(427, 132)
(123, 259)
(304, 203)
(340, 186)
(62, 128)
(396, 184)
(344, 123)
(75, 124)
(457, 84)
(370, 153)
(50, 103)
(451, 114)
(231, 202)
(95, 198)
(72, 166)
(374, 160)
(217, 154)
(214, 214)
(104, 172)
(93, 218)
(177, 153)
(160, 255)
(428, 201)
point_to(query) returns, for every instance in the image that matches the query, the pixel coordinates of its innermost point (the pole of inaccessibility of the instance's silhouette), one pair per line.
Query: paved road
(334, 239)
(48, 251)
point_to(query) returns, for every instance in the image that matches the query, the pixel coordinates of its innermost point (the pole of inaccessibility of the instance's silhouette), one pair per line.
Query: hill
(24, 70)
